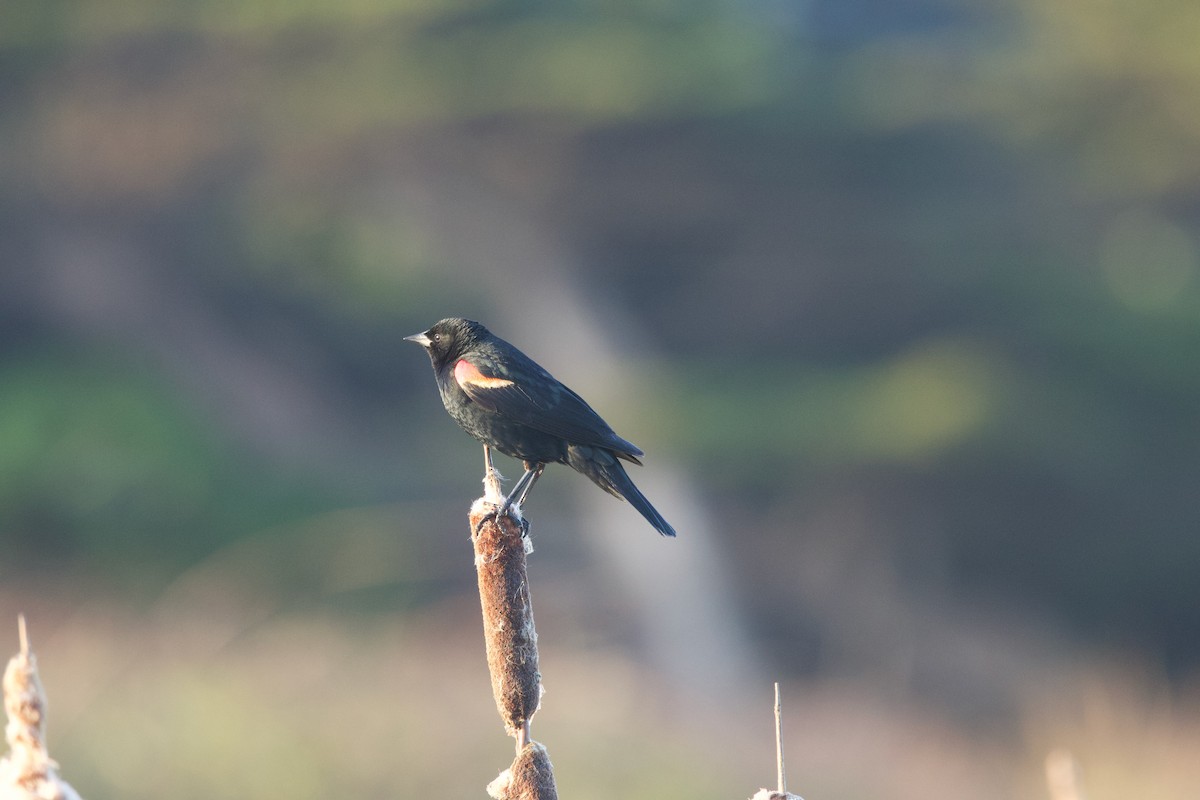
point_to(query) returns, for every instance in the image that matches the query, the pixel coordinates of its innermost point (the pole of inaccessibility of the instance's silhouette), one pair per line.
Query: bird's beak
(420, 339)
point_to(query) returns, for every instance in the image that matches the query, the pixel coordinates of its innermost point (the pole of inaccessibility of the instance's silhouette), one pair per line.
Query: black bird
(504, 399)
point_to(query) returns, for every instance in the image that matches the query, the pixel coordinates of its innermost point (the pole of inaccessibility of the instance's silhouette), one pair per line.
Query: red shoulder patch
(468, 375)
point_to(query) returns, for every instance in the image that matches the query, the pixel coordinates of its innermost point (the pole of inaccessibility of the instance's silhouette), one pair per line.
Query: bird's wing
(532, 396)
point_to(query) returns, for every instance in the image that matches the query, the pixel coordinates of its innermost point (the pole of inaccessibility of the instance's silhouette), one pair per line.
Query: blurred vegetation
(92, 445)
(936, 260)
(951, 241)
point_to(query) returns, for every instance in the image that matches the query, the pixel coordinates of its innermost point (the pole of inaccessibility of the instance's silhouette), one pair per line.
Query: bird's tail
(607, 472)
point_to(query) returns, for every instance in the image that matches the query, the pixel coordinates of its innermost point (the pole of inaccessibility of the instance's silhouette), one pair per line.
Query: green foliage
(910, 408)
(100, 459)
(1107, 86)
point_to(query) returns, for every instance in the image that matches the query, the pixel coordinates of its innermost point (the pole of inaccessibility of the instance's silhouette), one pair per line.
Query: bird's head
(449, 339)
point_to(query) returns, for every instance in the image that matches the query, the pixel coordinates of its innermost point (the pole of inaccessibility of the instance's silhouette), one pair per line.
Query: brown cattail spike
(509, 634)
(531, 777)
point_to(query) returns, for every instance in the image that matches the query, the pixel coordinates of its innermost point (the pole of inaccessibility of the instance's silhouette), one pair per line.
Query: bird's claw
(499, 511)
(491, 515)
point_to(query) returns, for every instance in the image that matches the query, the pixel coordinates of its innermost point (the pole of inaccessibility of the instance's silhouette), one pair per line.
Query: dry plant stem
(509, 634)
(780, 774)
(28, 772)
(780, 793)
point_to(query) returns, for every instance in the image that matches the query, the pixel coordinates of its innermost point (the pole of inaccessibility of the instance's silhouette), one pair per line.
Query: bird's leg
(537, 473)
(516, 497)
(521, 490)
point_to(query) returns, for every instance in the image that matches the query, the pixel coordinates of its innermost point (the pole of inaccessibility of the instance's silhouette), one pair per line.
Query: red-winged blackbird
(504, 399)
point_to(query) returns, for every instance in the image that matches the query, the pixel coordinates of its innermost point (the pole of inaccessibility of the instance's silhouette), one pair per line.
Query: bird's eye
(437, 337)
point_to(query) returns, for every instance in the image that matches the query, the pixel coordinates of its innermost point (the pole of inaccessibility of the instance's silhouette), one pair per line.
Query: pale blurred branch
(781, 792)
(1063, 778)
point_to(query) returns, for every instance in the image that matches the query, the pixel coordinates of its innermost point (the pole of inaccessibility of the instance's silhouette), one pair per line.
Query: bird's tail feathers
(607, 472)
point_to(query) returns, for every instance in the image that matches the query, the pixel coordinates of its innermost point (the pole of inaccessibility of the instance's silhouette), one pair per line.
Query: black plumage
(507, 401)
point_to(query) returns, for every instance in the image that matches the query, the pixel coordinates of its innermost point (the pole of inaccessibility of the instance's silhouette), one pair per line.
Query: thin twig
(780, 774)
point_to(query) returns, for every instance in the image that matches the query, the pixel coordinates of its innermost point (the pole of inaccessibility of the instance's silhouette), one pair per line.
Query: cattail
(28, 772)
(501, 546)
(509, 634)
(531, 777)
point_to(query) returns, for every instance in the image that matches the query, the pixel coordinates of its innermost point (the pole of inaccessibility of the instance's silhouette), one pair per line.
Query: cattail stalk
(501, 547)
(780, 792)
(780, 772)
(28, 772)
(508, 630)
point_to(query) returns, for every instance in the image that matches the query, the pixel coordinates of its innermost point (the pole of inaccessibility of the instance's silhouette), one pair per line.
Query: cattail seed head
(509, 634)
(531, 777)
(28, 772)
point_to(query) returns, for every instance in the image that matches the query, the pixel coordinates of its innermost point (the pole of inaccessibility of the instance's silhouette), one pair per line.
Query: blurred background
(900, 298)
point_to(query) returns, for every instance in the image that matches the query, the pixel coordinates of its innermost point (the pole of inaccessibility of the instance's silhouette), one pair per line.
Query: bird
(509, 402)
